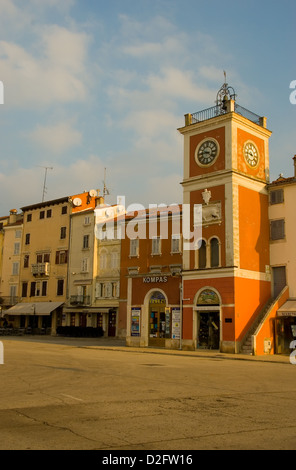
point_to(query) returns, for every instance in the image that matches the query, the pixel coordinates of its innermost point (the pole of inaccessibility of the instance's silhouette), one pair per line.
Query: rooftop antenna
(46, 168)
(105, 190)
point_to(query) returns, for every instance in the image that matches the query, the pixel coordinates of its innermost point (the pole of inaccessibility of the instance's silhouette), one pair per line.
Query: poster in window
(176, 323)
(135, 324)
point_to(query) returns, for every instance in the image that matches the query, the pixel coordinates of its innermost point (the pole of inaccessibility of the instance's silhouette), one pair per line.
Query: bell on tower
(224, 96)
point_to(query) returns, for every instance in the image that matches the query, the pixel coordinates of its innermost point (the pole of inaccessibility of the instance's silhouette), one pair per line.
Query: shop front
(89, 322)
(154, 318)
(35, 317)
(285, 328)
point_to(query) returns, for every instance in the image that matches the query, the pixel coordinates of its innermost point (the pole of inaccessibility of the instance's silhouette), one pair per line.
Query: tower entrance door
(208, 320)
(208, 330)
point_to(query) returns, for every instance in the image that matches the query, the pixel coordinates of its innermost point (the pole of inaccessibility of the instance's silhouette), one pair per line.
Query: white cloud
(56, 74)
(57, 138)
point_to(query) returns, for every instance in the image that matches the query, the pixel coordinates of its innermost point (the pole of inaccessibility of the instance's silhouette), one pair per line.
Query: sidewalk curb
(274, 359)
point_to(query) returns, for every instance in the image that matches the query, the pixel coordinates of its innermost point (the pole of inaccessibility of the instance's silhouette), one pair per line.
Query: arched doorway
(208, 320)
(159, 323)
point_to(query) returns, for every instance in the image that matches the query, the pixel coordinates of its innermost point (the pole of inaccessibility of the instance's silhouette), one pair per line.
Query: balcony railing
(9, 301)
(41, 269)
(218, 110)
(80, 299)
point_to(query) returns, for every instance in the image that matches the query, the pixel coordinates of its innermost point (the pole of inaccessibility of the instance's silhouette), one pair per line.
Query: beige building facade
(43, 265)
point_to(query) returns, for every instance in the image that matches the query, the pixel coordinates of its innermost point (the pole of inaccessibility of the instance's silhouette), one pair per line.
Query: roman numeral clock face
(207, 152)
(251, 154)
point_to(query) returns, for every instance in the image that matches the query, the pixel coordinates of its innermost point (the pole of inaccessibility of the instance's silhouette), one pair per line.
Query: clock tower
(226, 280)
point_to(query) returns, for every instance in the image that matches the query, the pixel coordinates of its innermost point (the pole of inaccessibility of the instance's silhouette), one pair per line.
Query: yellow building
(11, 237)
(43, 265)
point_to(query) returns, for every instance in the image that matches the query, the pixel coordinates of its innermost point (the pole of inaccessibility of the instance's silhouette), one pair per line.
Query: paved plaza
(63, 393)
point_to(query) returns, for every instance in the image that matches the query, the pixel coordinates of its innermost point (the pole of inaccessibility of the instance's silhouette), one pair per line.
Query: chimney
(12, 216)
(294, 158)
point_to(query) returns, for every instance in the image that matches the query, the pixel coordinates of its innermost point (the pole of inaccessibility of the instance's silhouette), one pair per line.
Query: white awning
(288, 309)
(33, 308)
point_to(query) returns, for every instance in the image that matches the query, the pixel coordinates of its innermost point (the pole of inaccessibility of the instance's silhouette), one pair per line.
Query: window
(60, 287)
(85, 242)
(48, 213)
(16, 249)
(156, 246)
(202, 255)
(26, 261)
(103, 260)
(32, 289)
(44, 288)
(87, 220)
(42, 214)
(277, 229)
(176, 244)
(43, 258)
(29, 218)
(12, 293)
(63, 232)
(134, 247)
(276, 197)
(15, 269)
(85, 265)
(18, 234)
(114, 260)
(24, 289)
(27, 239)
(215, 258)
(61, 257)
(64, 210)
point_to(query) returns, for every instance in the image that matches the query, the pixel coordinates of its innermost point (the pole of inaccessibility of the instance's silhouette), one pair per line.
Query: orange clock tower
(226, 279)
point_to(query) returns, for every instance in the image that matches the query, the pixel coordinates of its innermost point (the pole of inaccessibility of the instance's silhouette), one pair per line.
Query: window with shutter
(277, 229)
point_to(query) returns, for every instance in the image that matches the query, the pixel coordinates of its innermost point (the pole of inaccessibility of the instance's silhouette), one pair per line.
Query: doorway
(112, 323)
(159, 321)
(208, 330)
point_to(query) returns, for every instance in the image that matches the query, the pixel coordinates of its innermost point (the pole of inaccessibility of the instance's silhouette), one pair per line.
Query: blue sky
(91, 84)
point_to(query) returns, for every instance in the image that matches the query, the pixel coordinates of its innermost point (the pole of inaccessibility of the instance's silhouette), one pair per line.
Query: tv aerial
(46, 168)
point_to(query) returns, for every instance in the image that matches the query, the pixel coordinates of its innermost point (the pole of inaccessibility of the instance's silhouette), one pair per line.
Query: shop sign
(149, 279)
(135, 325)
(176, 323)
(286, 314)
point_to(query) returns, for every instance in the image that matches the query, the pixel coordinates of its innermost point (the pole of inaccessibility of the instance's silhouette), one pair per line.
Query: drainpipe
(181, 312)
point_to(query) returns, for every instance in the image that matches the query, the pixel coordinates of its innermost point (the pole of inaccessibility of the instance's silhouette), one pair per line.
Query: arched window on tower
(202, 255)
(215, 253)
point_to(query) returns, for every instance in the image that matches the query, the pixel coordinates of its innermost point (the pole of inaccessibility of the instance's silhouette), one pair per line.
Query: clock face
(207, 152)
(251, 154)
